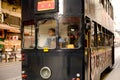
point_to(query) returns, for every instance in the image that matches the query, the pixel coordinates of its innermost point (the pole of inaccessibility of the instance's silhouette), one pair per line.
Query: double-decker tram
(66, 39)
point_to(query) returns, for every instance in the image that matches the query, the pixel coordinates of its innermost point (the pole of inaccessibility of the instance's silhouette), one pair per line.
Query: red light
(23, 57)
(24, 76)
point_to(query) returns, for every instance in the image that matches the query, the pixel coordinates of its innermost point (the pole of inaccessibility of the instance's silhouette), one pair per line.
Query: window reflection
(69, 32)
(29, 36)
(47, 34)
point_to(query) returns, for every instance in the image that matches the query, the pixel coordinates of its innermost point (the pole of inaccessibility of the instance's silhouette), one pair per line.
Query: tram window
(47, 33)
(92, 35)
(95, 35)
(69, 33)
(105, 3)
(110, 10)
(107, 40)
(111, 38)
(29, 36)
(101, 36)
(103, 39)
(102, 1)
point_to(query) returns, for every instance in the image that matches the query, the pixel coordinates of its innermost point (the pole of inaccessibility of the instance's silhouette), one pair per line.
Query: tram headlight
(45, 72)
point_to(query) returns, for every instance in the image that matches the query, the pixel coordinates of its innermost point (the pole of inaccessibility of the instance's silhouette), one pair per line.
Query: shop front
(10, 43)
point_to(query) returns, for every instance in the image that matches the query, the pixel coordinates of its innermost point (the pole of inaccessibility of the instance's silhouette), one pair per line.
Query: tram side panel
(100, 60)
(96, 11)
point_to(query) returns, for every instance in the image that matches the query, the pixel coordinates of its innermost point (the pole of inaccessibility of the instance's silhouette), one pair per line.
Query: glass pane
(47, 34)
(111, 40)
(92, 35)
(29, 36)
(69, 34)
(100, 35)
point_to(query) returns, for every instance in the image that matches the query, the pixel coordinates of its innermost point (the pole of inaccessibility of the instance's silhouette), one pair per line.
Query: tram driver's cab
(65, 36)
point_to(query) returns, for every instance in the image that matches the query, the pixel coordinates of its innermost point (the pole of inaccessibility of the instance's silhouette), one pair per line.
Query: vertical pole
(2, 18)
(0, 6)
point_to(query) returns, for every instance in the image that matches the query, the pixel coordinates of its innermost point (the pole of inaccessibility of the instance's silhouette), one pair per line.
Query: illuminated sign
(44, 5)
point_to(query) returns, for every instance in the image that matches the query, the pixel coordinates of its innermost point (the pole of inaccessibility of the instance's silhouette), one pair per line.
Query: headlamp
(45, 72)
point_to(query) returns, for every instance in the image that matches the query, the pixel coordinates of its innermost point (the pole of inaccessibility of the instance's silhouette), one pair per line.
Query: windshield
(69, 32)
(29, 37)
(47, 33)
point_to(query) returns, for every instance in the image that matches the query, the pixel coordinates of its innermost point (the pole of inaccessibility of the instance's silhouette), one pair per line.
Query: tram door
(87, 49)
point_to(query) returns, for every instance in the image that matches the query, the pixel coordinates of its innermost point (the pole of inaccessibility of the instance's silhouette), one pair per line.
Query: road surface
(10, 71)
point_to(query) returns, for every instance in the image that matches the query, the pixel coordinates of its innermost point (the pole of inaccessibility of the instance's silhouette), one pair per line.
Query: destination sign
(44, 5)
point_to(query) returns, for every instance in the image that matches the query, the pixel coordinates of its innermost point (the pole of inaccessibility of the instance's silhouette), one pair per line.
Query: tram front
(53, 40)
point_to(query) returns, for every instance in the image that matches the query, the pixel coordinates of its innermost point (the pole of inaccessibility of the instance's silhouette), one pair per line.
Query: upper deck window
(102, 1)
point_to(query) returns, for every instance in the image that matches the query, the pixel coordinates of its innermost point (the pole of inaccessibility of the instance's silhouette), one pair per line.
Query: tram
(66, 39)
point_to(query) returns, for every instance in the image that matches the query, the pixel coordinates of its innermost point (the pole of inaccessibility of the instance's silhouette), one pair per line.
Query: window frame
(56, 28)
(23, 41)
(65, 17)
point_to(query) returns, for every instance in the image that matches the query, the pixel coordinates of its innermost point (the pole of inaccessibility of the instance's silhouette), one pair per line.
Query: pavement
(10, 71)
(15, 78)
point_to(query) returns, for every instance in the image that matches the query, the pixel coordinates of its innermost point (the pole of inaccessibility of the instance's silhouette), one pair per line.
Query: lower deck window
(47, 33)
(69, 32)
(29, 37)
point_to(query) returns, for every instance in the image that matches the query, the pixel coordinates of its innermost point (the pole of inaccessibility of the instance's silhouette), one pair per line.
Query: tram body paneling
(84, 62)
(98, 12)
(102, 56)
(63, 66)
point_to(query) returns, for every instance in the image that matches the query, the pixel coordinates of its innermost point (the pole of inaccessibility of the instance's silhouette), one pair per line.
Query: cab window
(69, 32)
(47, 33)
(29, 37)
